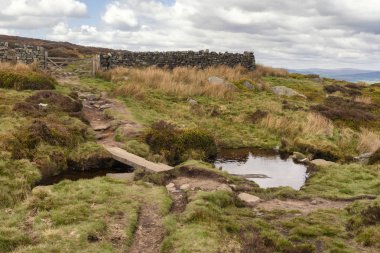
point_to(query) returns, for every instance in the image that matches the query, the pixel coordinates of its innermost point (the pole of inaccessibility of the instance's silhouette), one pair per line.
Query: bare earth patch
(200, 183)
(150, 231)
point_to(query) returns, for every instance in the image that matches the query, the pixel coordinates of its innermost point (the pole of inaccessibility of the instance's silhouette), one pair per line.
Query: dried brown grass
(314, 124)
(368, 141)
(262, 70)
(318, 124)
(186, 81)
(282, 125)
(15, 67)
(363, 99)
(130, 90)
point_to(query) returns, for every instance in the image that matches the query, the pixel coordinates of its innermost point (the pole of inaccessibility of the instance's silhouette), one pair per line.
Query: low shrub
(65, 133)
(51, 160)
(26, 80)
(371, 214)
(346, 90)
(55, 103)
(257, 116)
(337, 108)
(137, 148)
(177, 144)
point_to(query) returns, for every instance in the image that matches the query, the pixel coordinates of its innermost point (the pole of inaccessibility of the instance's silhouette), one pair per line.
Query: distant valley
(350, 75)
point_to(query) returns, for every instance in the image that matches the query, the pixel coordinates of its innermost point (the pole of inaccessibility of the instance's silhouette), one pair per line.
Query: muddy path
(150, 231)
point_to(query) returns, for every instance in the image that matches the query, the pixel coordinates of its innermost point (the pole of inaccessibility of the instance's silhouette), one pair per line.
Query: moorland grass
(163, 95)
(344, 181)
(98, 215)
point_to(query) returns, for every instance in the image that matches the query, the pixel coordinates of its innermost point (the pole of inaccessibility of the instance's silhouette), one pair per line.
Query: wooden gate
(77, 66)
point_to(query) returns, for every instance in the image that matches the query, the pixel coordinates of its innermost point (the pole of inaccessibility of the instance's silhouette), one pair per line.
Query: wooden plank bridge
(136, 161)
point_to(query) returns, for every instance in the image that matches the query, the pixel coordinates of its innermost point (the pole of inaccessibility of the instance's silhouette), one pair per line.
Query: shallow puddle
(266, 168)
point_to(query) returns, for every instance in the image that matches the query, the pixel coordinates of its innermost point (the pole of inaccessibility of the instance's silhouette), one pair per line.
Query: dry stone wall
(201, 59)
(21, 53)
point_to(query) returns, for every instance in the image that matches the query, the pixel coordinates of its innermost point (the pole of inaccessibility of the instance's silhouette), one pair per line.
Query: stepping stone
(100, 126)
(249, 199)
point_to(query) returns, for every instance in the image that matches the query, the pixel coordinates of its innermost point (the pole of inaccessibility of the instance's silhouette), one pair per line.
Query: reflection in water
(281, 171)
(75, 175)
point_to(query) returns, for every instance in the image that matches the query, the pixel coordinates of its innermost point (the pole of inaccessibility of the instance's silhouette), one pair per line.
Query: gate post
(95, 64)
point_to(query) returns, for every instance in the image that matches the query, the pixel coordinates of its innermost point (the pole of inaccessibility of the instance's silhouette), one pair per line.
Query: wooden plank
(135, 161)
(70, 59)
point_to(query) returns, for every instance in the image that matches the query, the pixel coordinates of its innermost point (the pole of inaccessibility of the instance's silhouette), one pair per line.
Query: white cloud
(120, 16)
(299, 33)
(25, 14)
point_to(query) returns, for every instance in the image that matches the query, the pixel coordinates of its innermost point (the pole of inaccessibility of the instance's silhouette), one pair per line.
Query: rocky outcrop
(214, 80)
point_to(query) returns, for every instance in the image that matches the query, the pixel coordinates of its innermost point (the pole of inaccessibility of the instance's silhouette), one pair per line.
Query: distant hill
(350, 75)
(57, 49)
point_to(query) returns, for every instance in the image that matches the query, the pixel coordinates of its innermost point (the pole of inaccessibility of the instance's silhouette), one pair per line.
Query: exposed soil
(150, 231)
(304, 206)
(199, 183)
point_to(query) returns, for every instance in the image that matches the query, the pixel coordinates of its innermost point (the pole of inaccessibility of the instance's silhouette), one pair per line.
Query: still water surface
(266, 168)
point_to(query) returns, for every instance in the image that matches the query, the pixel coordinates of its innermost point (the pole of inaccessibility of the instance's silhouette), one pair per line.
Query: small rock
(171, 185)
(192, 101)
(285, 91)
(364, 158)
(92, 97)
(184, 187)
(248, 85)
(42, 106)
(99, 126)
(314, 202)
(249, 199)
(322, 163)
(219, 81)
(106, 106)
(224, 187)
(299, 157)
(233, 186)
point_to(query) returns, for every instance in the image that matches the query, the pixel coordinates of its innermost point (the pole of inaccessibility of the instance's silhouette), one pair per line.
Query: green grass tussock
(16, 179)
(344, 181)
(26, 80)
(89, 156)
(178, 145)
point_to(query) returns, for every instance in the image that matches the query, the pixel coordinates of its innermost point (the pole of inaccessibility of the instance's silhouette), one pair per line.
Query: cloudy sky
(282, 33)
